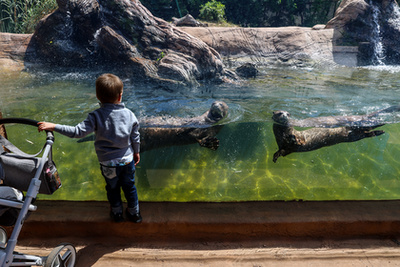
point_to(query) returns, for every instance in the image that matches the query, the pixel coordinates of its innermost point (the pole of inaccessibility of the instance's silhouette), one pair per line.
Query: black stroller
(23, 172)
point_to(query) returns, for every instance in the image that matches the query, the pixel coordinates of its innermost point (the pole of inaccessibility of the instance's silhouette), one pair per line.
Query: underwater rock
(123, 35)
(247, 70)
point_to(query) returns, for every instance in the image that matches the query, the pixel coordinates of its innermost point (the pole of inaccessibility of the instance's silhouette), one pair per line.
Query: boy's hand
(136, 158)
(46, 126)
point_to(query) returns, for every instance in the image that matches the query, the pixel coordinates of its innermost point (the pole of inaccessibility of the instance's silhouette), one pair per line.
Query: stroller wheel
(64, 255)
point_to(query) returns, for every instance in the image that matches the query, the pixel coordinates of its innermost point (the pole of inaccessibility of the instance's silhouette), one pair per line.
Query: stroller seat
(8, 215)
(20, 172)
(10, 200)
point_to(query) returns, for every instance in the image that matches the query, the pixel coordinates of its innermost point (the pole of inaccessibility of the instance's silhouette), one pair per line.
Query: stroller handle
(50, 134)
(19, 120)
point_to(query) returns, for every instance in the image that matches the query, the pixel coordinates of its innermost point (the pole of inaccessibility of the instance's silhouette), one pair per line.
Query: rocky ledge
(234, 44)
(124, 35)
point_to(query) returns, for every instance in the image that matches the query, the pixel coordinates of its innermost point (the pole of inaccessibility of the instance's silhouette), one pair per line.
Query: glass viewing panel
(347, 165)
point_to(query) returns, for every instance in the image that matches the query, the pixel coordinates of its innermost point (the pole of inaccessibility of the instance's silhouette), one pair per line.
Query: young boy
(117, 144)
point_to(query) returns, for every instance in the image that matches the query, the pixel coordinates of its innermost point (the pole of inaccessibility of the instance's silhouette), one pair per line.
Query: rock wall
(13, 48)
(124, 35)
(286, 45)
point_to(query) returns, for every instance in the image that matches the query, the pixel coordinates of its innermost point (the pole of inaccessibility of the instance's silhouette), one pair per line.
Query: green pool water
(241, 169)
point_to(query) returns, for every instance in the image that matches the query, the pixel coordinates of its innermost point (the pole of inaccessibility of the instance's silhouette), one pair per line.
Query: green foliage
(21, 16)
(213, 11)
(36, 13)
(278, 13)
(251, 13)
(161, 56)
(9, 11)
(247, 13)
(165, 9)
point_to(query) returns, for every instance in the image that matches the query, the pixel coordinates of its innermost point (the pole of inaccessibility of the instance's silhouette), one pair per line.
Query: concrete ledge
(345, 55)
(170, 221)
(345, 49)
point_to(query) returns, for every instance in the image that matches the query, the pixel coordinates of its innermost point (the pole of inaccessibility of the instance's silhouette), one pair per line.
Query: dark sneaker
(136, 218)
(117, 217)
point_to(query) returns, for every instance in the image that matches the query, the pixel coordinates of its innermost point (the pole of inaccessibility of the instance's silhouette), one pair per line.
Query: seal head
(281, 117)
(217, 112)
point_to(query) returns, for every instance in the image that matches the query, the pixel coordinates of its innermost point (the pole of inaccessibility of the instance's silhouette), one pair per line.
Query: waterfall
(379, 51)
(385, 24)
(394, 19)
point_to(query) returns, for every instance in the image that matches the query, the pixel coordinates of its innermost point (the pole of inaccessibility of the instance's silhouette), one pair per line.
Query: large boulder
(188, 21)
(373, 25)
(123, 34)
(284, 46)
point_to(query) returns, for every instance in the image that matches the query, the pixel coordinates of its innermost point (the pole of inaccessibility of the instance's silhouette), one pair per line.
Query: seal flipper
(390, 109)
(356, 134)
(277, 154)
(376, 133)
(209, 142)
(286, 140)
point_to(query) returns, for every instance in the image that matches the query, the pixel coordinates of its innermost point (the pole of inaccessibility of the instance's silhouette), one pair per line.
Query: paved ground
(221, 234)
(103, 253)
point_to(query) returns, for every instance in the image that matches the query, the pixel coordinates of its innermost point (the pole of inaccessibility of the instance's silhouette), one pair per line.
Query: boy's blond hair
(108, 88)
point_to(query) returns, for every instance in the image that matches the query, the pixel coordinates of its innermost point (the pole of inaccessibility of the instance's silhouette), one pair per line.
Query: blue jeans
(117, 178)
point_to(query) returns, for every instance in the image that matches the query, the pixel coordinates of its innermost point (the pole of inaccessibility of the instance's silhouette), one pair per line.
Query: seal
(156, 132)
(283, 117)
(159, 132)
(157, 137)
(290, 140)
(217, 112)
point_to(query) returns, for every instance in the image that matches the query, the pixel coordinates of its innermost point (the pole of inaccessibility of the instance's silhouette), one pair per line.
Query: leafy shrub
(36, 13)
(21, 16)
(213, 11)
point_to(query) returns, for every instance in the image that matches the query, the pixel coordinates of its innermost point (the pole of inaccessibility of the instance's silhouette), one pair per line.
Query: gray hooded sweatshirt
(116, 129)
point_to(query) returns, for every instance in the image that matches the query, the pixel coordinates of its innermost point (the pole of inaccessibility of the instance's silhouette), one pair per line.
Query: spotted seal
(290, 140)
(283, 117)
(217, 112)
(171, 131)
